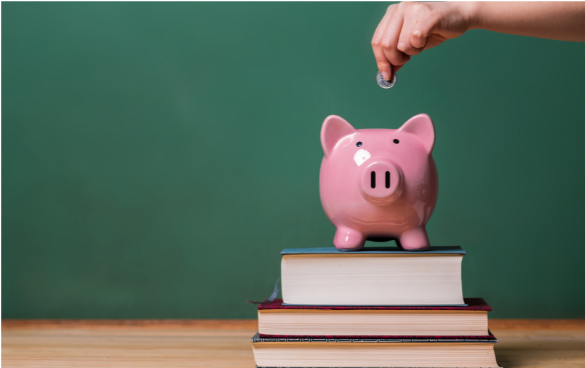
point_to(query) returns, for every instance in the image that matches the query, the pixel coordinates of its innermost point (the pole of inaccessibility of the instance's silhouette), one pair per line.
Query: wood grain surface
(226, 343)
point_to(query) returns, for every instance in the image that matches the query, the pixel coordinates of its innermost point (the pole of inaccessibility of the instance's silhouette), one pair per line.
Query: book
(375, 276)
(310, 352)
(278, 320)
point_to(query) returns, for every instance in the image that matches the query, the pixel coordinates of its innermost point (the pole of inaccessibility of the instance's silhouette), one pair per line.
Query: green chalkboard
(157, 157)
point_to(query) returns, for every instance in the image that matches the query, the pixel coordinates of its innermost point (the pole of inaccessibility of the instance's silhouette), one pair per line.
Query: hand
(409, 28)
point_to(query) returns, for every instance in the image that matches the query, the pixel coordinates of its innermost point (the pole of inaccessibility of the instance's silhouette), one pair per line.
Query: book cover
(471, 304)
(378, 250)
(359, 339)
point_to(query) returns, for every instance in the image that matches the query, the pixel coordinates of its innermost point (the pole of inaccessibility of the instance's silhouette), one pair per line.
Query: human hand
(409, 28)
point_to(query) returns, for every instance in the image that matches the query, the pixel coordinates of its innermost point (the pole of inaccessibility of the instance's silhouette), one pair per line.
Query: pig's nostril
(387, 179)
(373, 179)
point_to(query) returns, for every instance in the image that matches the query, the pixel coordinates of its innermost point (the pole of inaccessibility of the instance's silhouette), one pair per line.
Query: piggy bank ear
(334, 128)
(422, 126)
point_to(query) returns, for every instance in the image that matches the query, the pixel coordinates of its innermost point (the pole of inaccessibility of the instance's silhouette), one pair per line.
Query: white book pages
(372, 279)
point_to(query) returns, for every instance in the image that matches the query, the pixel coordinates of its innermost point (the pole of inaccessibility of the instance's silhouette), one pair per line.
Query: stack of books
(382, 307)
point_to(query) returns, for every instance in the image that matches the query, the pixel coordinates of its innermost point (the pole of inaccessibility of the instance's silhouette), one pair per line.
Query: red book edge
(475, 337)
(473, 304)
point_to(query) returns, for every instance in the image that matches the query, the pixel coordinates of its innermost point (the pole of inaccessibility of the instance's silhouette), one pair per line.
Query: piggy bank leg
(348, 239)
(415, 239)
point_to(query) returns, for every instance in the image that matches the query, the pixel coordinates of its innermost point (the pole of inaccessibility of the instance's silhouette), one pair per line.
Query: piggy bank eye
(359, 144)
(396, 141)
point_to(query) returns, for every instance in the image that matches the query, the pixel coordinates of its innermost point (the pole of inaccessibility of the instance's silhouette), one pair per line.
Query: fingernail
(385, 75)
(400, 46)
(416, 33)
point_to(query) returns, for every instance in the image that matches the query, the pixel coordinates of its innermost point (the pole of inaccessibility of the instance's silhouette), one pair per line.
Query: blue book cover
(455, 249)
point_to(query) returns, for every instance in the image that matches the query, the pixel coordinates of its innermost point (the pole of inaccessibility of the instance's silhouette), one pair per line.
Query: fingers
(390, 39)
(405, 30)
(421, 31)
(383, 64)
(419, 23)
(405, 44)
(397, 68)
(388, 57)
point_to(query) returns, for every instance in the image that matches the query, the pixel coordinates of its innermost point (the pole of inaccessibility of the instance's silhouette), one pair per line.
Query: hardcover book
(372, 277)
(360, 352)
(276, 319)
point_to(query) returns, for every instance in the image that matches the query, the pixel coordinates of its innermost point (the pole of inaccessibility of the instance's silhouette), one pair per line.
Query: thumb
(421, 32)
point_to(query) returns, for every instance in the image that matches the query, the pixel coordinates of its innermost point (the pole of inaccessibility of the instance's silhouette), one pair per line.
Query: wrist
(471, 11)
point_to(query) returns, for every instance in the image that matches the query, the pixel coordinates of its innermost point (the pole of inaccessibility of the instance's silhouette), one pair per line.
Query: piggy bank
(379, 184)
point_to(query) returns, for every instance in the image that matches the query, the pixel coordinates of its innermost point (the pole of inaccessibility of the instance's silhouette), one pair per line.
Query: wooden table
(226, 343)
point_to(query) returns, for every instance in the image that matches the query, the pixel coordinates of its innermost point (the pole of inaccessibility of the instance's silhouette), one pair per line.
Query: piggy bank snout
(381, 182)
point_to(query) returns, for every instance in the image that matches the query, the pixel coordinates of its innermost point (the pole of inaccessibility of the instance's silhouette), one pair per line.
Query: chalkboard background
(158, 156)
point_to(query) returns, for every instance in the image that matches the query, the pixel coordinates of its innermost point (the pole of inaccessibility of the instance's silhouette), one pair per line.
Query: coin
(384, 83)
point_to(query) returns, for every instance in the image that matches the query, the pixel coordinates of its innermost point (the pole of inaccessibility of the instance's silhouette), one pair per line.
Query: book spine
(377, 337)
(258, 339)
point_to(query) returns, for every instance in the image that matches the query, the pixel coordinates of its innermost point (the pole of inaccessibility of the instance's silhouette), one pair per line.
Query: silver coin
(384, 83)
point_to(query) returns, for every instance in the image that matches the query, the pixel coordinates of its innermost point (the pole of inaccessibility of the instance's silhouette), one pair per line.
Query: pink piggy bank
(379, 184)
